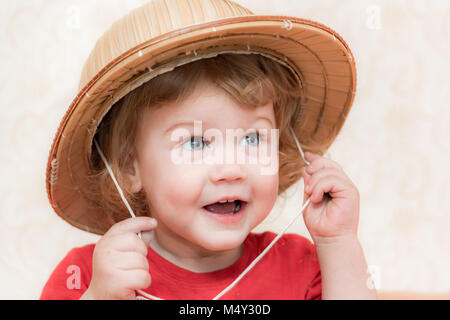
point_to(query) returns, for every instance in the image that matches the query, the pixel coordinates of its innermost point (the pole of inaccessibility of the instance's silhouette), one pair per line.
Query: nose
(228, 165)
(228, 172)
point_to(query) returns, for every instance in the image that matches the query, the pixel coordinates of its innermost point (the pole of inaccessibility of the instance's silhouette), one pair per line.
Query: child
(163, 96)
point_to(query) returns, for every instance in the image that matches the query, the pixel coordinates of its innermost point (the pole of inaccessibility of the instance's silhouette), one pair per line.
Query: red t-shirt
(289, 270)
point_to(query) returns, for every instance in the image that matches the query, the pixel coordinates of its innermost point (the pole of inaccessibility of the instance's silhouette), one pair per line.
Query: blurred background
(395, 145)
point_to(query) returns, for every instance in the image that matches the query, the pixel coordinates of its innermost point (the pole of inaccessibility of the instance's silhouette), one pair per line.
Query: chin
(222, 241)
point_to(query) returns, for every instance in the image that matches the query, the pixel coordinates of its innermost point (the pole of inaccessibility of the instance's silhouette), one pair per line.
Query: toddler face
(187, 160)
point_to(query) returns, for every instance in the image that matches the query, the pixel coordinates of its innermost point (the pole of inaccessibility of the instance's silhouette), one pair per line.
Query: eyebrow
(180, 124)
(267, 119)
(191, 123)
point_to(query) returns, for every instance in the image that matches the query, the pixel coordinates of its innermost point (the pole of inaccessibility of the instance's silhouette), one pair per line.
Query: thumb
(306, 178)
(147, 236)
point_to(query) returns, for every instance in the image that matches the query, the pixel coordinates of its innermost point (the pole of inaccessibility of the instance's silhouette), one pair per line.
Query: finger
(133, 225)
(305, 175)
(128, 242)
(136, 279)
(310, 157)
(147, 237)
(318, 163)
(319, 175)
(131, 261)
(306, 180)
(332, 185)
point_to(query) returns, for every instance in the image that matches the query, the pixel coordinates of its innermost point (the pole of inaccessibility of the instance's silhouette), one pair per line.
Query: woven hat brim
(318, 56)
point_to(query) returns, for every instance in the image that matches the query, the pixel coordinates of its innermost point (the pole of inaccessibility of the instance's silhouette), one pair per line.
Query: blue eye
(198, 142)
(195, 142)
(253, 138)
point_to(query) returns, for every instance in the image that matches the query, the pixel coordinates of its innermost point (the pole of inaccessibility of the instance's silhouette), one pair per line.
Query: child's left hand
(329, 218)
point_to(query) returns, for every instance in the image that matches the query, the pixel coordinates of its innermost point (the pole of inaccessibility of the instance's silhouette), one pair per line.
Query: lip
(227, 218)
(228, 198)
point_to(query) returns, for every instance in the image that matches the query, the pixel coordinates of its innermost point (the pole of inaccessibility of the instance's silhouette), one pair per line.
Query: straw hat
(172, 33)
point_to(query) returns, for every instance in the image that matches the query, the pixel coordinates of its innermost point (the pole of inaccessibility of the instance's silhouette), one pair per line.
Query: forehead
(209, 104)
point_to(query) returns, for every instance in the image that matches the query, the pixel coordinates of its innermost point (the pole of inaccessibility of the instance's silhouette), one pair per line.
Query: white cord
(108, 167)
(299, 147)
(250, 266)
(262, 254)
(145, 296)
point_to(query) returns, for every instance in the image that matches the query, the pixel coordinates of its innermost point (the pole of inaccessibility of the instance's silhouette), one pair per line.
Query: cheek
(266, 189)
(174, 186)
(184, 187)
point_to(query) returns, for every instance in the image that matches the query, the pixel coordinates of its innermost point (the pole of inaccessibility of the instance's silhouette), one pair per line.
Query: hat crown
(151, 20)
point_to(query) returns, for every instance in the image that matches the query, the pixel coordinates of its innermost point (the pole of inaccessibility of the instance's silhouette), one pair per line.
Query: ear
(134, 177)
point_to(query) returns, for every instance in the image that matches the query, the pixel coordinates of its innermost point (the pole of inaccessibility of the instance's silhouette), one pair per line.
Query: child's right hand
(119, 262)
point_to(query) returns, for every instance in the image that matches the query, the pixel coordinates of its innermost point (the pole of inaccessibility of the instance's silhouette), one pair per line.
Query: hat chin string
(146, 296)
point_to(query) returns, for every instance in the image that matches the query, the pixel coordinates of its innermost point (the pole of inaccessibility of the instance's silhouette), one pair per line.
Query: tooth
(230, 200)
(224, 201)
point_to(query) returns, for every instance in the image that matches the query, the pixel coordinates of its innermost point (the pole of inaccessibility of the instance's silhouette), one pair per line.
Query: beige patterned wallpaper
(395, 145)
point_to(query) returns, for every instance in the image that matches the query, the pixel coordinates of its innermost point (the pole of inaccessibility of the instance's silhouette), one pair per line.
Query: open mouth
(226, 207)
